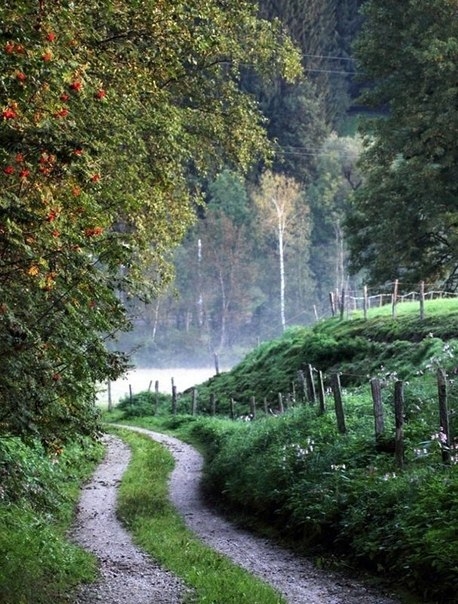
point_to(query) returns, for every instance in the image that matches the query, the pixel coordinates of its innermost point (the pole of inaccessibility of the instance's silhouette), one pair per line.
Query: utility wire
(332, 57)
(330, 71)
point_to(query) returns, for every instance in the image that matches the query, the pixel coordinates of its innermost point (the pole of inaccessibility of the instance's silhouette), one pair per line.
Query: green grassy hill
(358, 349)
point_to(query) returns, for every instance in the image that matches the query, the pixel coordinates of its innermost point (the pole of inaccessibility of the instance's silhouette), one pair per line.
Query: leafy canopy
(107, 108)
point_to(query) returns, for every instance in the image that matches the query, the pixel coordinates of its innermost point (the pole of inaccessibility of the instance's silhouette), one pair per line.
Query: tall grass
(38, 564)
(145, 509)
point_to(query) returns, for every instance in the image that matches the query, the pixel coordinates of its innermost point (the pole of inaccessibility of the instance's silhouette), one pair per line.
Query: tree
(107, 110)
(404, 219)
(276, 201)
(330, 195)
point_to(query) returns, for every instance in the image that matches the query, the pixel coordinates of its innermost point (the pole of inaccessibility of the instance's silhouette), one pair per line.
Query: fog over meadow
(140, 379)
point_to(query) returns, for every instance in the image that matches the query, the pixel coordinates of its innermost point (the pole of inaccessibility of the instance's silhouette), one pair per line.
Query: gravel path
(130, 577)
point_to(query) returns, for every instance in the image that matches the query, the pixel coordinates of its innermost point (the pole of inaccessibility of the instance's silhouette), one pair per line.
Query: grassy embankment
(339, 496)
(38, 492)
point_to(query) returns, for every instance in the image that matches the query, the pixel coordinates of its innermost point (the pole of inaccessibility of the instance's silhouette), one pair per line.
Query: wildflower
(21, 76)
(47, 56)
(56, 377)
(45, 158)
(442, 436)
(19, 158)
(51, 36)
(95, 177)
(9, 170)
(76, 191)
(100, 94)
(64, 97)
(24, 173)
(78, 152)
(389, 476)
(10, 47)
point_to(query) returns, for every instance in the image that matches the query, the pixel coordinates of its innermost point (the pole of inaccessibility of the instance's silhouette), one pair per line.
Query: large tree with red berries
(109, 111)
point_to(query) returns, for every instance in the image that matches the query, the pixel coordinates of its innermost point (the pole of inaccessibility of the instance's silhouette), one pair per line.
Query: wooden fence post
(342, 304)
(194, 401)
(366, 302)
(337, 392)
(422, 300)
(232, 408)
(376, 390)
(156, 396)
(174, 399)
(321, 394)
(394, 298)
(399, 419)
(216, 363)
(311, 395)
(213, 404)
(253, 407)
(444, 431)
(303, 387)
(110, 402)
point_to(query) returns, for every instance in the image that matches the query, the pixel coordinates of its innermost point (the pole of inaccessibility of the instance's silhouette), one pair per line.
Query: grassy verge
(38, 494)
(146, 511)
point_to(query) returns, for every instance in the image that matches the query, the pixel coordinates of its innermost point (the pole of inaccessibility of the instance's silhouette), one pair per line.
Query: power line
(332, 57)
(313, 154)
(330, 71)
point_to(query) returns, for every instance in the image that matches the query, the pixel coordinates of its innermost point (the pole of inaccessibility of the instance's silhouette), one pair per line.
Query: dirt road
(129, 577)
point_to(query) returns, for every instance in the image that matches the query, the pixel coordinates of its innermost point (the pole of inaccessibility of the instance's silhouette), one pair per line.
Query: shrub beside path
(129, 576)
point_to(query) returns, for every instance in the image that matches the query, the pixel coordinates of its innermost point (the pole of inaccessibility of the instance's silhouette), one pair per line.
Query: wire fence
(346, 301)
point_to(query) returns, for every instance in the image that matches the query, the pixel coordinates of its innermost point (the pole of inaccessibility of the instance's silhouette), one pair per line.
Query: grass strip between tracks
(145, 509)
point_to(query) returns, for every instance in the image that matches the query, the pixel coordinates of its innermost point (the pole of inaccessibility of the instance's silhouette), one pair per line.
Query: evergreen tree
(323, 31)
(404, 220)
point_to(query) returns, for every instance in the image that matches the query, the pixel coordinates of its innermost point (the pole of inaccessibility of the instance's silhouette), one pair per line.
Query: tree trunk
(282, 275)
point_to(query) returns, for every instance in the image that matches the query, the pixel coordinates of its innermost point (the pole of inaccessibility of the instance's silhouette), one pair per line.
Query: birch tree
(276, 201)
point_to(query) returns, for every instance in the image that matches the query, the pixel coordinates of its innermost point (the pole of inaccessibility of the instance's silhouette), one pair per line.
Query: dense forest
(364, 155)
(244, 272)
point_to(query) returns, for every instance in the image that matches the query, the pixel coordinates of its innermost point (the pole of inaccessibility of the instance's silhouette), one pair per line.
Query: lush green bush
(144, 404)
(37, 495)
(339, 493)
